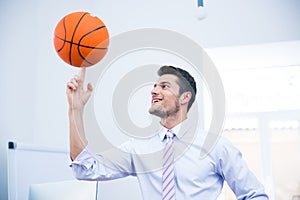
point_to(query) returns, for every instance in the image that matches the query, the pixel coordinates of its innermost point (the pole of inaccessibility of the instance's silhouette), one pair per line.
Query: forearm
(78, 139)
(98, 167)
(77, 98)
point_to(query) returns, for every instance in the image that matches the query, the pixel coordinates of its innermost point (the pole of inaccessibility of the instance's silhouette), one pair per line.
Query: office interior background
(255, 45)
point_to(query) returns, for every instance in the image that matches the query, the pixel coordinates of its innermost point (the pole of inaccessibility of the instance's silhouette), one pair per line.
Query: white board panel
(32, 164)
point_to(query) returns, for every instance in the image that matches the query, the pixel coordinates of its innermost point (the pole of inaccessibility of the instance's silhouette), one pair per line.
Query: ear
(185, 97)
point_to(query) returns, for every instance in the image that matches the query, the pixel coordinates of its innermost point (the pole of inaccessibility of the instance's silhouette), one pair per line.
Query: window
(263, 121)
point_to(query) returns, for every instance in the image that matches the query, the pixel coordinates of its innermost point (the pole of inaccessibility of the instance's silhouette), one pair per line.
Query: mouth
(156, 100)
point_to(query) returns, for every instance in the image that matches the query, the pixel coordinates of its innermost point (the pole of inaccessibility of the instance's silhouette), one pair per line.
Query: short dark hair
(186, 81)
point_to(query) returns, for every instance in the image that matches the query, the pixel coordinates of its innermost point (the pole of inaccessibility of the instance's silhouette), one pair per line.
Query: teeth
(156, 100)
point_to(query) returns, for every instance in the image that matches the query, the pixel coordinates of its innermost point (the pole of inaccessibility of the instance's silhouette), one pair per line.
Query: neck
(171, 121)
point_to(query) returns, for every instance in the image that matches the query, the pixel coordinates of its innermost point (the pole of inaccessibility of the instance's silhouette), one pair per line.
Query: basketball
(80, 39)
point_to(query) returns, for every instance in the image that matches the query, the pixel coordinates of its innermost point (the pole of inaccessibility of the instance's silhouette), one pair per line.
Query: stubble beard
(160, 112)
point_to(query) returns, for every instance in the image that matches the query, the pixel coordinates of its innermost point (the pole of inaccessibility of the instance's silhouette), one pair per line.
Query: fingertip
(71, 86)
(83, 69)
(76, 77)
(90, 86)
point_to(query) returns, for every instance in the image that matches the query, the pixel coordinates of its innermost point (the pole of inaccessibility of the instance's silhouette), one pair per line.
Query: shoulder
(224, 149)
(224, 144)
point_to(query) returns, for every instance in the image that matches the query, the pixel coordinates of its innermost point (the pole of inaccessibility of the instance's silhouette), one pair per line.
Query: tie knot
(170, 134)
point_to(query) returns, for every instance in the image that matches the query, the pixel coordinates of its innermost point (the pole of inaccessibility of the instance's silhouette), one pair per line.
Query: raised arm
(77, 98)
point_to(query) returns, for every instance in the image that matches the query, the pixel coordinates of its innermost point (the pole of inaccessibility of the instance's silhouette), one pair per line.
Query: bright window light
(262, 89)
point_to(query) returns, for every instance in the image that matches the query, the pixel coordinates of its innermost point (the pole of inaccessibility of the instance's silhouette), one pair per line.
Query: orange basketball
(80, 39)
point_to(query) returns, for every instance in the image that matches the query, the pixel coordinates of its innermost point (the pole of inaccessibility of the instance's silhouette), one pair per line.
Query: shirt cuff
(84, 159)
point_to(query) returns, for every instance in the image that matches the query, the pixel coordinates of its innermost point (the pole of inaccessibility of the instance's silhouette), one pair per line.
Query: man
(171, 168)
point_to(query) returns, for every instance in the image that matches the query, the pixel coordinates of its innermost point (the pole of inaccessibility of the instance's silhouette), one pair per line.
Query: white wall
(33, 104)
(18, 78)
(277, 54)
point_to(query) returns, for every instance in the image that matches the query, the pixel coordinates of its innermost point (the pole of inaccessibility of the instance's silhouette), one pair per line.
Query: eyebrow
(162, 83)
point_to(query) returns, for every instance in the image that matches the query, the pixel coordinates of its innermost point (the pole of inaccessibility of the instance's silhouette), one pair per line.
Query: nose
(155, 90)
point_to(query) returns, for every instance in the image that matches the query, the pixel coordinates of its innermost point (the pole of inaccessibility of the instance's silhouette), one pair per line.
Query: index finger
(82, 74)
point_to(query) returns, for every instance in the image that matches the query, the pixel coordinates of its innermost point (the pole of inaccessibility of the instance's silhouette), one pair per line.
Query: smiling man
(172, 96)
(175, 171)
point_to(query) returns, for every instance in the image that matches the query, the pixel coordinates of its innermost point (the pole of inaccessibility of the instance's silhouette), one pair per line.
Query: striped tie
(168, 169)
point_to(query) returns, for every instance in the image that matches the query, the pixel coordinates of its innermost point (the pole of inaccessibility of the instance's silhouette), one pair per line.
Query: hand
(77, 96)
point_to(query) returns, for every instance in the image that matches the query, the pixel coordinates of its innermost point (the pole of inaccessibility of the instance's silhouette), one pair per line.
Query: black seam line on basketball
(82, 45)
(70, 54)
(65, 33)
(78, 47)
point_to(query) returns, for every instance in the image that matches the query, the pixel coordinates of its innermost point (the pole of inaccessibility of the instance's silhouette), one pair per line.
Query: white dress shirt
(195, 178)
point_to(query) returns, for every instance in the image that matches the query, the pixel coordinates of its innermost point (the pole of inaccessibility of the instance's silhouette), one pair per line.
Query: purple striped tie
(168, 168)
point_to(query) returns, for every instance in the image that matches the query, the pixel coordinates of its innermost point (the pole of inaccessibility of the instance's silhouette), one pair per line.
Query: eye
(164, 86)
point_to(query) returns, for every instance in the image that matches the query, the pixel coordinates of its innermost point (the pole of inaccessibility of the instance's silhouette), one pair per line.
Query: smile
(156, 100)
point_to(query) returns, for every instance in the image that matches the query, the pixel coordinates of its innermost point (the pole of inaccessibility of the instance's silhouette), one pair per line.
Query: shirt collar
(176, 130)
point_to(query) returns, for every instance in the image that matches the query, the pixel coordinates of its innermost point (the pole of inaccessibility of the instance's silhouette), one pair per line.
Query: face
(165, 96)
